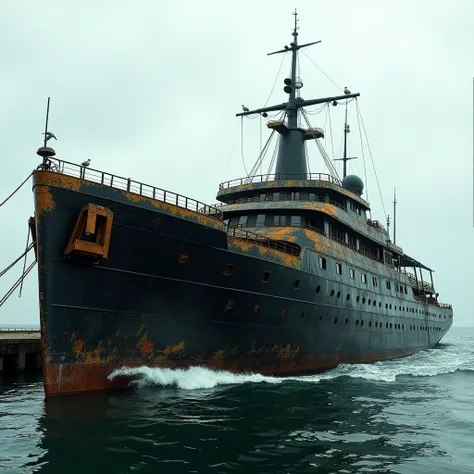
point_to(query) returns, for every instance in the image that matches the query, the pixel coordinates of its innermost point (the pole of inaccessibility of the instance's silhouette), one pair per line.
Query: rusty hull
(161, 298)
(69, 379)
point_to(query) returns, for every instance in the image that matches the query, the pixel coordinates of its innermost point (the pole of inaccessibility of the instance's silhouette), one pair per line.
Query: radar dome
(354, 183)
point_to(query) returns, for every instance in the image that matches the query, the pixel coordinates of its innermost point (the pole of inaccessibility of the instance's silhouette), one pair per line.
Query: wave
(429, 363)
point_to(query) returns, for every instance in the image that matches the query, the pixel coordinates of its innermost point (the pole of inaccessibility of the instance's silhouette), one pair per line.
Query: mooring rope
(17, 189)
(17, 260)
(17, 283)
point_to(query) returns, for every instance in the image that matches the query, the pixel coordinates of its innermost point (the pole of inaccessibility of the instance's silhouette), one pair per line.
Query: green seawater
(412, 415)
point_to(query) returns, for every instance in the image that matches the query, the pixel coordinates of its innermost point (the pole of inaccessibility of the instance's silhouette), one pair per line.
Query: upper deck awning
(406, 261)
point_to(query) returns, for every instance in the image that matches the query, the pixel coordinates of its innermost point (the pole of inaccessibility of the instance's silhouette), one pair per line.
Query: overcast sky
(150, 90)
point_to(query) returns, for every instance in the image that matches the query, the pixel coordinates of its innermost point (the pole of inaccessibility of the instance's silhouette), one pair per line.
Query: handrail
(19, 330)
(276, 176)
(127, 184)
(433, 302)
(287, 247)
(314, 229)
(281, 199)
(416, 283)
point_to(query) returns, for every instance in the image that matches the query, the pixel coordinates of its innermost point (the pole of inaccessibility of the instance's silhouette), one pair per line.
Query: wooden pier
(20, 351)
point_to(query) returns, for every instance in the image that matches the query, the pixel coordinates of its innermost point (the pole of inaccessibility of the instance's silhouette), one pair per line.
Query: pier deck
(20, 351)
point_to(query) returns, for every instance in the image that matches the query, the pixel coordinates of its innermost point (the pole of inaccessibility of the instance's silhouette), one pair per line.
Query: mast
(394, 217)
(347, 130)
(291, 153)
(344, 158)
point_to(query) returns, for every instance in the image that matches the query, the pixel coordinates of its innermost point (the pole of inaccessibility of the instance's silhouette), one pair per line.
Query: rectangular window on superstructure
(276, 196)
(375, 282)
(296, 196)
(243, 220)
(260, 222)
(311, 196)
(322, 263)
(234, 220)
(363, 277)
(351, 273)
(263, 197)
(279, 220)
(389, 286)
(295, 220)
(338, 268)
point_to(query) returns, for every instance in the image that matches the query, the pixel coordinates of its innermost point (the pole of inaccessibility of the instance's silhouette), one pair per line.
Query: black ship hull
(176, 291)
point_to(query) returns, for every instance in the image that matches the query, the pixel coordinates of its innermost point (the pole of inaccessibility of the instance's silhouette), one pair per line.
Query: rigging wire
(307, 156)
(24, 263)
(259, 160)
(363, 159)
(17, 189)
(274, 156)
(232, 147)
(276, 78)
(371, 158)
(330, 129)
(17, 283)
(5, 270)
(340, 88)
(327, 160)
(316, 110)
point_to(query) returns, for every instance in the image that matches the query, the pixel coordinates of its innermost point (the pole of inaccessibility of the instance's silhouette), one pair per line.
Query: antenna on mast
(347, 130)
(291, 145)
(394, 216)
(46, 151)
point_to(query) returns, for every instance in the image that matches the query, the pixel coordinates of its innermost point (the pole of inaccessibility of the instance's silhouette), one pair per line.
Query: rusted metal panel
(87, 223)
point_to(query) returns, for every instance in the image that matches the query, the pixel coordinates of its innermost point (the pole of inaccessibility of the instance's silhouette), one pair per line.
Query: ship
(287, 275)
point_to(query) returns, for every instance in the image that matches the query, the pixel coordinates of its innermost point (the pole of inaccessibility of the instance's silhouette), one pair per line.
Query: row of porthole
(257, 307)
(374, 303)
(229, 268)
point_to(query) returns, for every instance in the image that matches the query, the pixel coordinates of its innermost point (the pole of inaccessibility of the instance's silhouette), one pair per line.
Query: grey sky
(150, 90)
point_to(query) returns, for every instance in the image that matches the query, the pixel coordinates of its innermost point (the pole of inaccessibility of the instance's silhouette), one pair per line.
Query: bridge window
(279, 220)
(312, 196)
(260, 220)
(243, 220)
(296, 196)
(296, 220)
(263, 197)
(276, 196)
